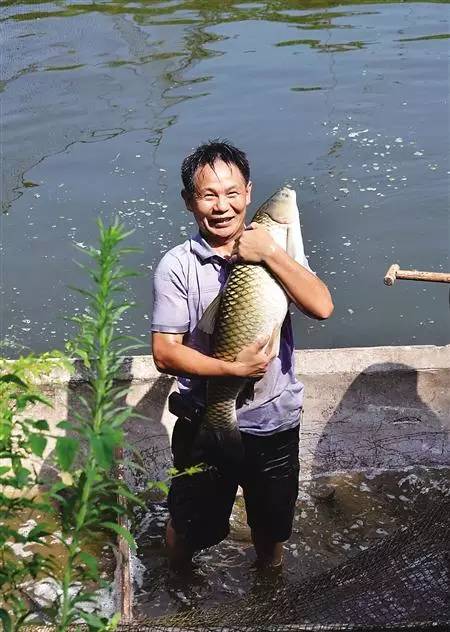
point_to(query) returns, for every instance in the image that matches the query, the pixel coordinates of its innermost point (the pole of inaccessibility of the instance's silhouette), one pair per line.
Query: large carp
(251, 307)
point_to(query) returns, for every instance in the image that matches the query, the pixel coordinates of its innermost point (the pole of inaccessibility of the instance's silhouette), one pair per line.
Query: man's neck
(223, 249)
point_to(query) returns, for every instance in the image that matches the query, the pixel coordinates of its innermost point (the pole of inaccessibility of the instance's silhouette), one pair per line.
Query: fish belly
(253, 306)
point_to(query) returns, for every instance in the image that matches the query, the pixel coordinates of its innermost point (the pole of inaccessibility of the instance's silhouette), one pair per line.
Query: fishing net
(400, 583)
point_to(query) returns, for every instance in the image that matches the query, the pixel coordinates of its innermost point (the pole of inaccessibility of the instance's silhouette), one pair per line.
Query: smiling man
(217, 190)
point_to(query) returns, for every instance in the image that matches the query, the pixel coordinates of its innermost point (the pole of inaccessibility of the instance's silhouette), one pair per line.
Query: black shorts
(200, 504)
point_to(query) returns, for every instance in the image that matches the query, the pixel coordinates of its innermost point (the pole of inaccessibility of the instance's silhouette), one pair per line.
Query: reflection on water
(348, 104)
(351, 513)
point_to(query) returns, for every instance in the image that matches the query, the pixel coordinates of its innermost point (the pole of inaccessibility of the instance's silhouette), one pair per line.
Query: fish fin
(247, 393)
(208, 320)
(272, 347)
(294, 246)
(280, 234)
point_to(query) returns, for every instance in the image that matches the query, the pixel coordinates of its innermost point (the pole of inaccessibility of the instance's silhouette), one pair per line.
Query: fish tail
(222, 447)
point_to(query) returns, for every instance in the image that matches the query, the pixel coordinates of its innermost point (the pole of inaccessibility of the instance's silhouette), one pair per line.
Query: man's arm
(173, 357)
(304, 288)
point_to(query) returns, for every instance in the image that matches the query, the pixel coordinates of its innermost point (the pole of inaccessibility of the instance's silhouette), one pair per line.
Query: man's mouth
(220, 222)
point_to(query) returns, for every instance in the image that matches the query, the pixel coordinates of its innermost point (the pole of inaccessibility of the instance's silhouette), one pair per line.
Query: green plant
(88, 496)
(173, 472)
(21, 440)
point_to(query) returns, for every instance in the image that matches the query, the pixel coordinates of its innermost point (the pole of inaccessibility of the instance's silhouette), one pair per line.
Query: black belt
(182, 407)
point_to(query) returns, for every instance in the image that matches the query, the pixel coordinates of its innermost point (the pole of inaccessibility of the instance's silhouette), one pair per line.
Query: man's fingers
(270, 355)
(259, 372)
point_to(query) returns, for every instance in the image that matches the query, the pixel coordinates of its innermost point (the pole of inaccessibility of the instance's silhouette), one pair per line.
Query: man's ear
(248, 192)
(187, 199)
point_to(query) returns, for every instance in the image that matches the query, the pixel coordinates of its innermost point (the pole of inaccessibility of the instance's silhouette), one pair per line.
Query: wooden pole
(124, 559)
(395, 273)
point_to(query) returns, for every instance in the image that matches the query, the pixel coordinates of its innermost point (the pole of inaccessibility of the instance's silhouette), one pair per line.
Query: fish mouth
(281, 207)
(285, 194)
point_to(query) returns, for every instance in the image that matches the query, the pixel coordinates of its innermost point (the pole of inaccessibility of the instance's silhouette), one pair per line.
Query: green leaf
(161, 485)
(66, 449)
(90, 561)
(113, 622)
(119, 393)
(41, 424)
(130, 496)
(122, 532)
(194, 469)
(132, 249)
(11, 378)
(87, 293)
(92, 620)
(38, 532)
(6, 620)
(37, 443)
(83, 597)
(136, 415)
(104, 444)
(22, 476)
(84, 402)
(64, 425)
(4, 469)
(57, 487)
(118, 311)
(30, 398)
(121, 417)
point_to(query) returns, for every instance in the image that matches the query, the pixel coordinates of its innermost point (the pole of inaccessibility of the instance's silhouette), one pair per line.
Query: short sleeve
(170, 302)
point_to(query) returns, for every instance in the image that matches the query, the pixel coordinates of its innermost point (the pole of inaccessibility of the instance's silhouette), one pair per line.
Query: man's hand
(253, 360)
(304, 288)
(254, 245)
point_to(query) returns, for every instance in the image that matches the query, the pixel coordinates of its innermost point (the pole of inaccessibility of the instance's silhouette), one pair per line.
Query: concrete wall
(376, 407)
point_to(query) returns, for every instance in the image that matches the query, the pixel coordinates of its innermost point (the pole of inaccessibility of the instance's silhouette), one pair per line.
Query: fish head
(281, 208)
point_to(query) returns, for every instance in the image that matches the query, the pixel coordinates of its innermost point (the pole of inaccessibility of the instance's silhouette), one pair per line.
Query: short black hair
(207, 154)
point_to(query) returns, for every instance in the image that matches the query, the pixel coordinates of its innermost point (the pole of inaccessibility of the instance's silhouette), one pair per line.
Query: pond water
(346, 102)
(337, 519)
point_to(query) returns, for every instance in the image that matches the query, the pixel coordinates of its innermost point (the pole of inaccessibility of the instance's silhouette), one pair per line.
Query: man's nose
(222, 203)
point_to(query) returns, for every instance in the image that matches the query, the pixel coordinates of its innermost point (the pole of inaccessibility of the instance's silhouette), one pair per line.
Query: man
(217, 190)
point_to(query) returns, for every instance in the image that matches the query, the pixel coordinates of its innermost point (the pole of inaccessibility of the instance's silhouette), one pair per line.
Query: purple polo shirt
(186, 280)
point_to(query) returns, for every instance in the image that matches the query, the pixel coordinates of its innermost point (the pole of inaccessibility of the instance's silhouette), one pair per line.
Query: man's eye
(233, 193)
(209, 196)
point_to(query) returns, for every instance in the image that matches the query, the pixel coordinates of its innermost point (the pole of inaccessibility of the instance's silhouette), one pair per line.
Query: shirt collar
(202, 249)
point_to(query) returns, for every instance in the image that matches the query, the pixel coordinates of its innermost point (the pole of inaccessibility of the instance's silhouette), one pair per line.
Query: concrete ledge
(308, 362)
(373, 407)
(371, 359)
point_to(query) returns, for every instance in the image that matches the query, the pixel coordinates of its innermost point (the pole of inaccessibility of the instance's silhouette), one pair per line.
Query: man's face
(219, 202)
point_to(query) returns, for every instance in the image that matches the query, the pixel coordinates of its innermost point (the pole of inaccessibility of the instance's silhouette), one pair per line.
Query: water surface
(347, 103)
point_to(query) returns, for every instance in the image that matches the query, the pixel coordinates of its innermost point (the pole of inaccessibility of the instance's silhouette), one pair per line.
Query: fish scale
(252, 305)
(243, 296)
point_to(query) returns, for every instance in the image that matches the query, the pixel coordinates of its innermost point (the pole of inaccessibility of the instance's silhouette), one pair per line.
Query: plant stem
(65, 610)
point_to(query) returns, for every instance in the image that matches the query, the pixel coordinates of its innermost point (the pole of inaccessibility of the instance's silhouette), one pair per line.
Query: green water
(346, 102)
